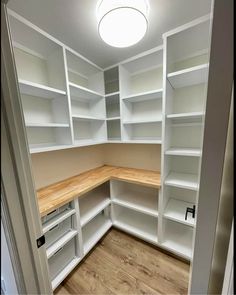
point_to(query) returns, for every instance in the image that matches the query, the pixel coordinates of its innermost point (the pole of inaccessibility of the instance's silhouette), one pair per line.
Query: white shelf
(189, 152)
(47, 147)
(144, 141)
(92, 205)
(177, 248)
(64, 273)
(60, 243)
(191, 76)
(57, 219)
(112, 94)
(35, 89)
(87, 142)
(94, 230)
(28, 124)
(113, 119)
(139, 198)
(87, 118)
(175, 210)
(182, 180)
(83, 92)
(178, 238)
(149, 95)
(137, 224)
(142, 121)
(186, 117)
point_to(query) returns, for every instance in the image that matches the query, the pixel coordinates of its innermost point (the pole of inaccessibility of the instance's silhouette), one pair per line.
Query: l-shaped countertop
(62, 192)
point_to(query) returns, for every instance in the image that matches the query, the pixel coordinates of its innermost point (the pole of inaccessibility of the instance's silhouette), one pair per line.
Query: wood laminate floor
(121, 264)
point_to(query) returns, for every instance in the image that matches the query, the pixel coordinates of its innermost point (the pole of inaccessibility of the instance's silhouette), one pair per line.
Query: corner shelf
(142, 121)
(182, 180)
(175, 210)
(190, 76)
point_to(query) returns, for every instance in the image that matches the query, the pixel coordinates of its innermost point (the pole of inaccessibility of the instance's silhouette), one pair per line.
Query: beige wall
(54, 166)
(142, 156)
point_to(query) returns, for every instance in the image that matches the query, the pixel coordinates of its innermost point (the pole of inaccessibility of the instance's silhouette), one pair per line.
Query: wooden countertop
(60, 193)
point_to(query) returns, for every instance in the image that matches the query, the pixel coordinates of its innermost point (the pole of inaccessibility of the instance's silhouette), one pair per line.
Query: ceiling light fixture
(122, 23)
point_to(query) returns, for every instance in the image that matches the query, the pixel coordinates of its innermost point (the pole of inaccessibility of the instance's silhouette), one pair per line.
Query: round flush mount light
(122, 23)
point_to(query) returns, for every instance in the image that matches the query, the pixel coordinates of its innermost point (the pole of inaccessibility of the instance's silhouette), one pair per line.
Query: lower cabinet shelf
(61, 262)
(64, 273)
(94, 230)
(138, 224)
(178, 238)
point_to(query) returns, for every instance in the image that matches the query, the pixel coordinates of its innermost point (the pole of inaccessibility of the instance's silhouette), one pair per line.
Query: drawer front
(57, 231)
(61, 258)
(55, 212)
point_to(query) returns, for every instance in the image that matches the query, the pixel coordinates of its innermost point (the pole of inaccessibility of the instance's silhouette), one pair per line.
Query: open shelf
(175, 210)
(135, 223)
(113, 129)
(190, 76)
(89, 131)
(40, 148)
(149, 95)
(84, 75)
(182, 180)
(87, 118)
(112, 94)
(64, 273)
(35, 89)
(186, 117)
(94, 230)
(136, 197)
(84, 93)
(92, 203)
(28, 124)
(178, 238)
(142, 121)
(112, 106)
(111, 79)
(188, 152)
(141, 74)
(142, 132)
(38, 58)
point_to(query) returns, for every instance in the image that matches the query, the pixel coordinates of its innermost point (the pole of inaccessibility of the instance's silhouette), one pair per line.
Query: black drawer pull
(190, 210)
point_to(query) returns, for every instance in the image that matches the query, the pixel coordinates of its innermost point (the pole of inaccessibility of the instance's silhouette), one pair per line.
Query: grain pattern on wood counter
(60, 193)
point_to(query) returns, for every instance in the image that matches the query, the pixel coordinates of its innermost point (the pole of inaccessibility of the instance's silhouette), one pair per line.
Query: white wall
(51, 167)
(6, 267)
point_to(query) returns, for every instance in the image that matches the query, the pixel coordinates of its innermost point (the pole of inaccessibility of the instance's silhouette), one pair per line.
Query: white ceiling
(74, 23)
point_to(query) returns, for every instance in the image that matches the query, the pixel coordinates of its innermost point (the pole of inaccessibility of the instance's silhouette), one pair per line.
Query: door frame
(20, 212)
(219, 93)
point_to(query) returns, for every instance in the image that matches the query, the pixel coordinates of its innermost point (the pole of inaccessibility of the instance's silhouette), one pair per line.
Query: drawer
(58, 231)
(61, 258)
(56, 212)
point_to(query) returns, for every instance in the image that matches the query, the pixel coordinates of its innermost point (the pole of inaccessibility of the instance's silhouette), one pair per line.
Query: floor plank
(121, 264)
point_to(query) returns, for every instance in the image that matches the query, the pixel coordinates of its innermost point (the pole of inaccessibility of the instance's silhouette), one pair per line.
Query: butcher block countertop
(60, 193)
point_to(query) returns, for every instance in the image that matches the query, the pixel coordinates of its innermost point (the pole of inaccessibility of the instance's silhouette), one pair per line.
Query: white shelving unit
(92, 203)
(185, 74)
(141, 97)
(138, 224)
(136, 197)
(94, 230)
